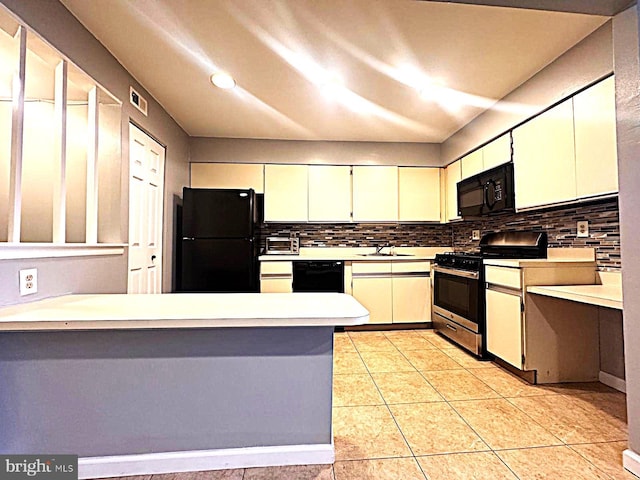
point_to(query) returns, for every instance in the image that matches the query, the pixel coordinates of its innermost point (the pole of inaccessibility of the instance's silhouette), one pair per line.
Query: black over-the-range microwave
(488, 192)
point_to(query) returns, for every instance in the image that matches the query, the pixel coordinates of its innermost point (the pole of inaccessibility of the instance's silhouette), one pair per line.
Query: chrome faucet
(379, 249)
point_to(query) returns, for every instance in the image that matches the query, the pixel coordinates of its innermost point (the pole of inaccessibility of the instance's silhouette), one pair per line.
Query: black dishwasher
(318, 276)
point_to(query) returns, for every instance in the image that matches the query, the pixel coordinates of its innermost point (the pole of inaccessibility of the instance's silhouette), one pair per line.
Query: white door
(146, 187)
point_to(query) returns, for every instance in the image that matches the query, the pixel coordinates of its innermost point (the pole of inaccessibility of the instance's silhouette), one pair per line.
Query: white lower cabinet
(538, 335)
(374, 293)
(393, 291)
(411, 296)
(411, 291)
(276, 277)
(504, 326)
(371, 286)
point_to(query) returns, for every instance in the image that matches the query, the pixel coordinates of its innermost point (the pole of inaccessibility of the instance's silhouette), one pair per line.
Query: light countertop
(184, 310)
(358, 254)
(540, 262)
(556, 257)
(602, 295)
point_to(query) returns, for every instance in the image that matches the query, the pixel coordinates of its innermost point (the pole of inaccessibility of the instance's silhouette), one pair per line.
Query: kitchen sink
(385, 255)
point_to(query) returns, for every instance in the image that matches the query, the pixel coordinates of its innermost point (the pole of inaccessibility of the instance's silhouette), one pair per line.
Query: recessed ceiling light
(223, 80)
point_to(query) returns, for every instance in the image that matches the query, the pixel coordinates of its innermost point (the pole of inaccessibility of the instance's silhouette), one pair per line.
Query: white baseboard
(197, 460)
(613, 382)
(631, 461)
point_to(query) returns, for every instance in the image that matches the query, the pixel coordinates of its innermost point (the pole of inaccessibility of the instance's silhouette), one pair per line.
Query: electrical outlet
(28, 281)
(583, 228)
(475, 235)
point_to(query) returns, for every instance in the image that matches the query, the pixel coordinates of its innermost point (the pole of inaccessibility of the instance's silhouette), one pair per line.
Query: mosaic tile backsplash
(561, 228)
(558, 222)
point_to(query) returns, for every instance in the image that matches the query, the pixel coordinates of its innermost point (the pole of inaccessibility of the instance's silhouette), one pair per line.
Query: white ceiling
(282, 52)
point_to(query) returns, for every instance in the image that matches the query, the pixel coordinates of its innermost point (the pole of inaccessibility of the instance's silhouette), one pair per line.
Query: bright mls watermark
(40, 467)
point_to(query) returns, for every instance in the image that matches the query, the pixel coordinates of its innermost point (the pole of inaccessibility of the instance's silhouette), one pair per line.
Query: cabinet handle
(451, 327)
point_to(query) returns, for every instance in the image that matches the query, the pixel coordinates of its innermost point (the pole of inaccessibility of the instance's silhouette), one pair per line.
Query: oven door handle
(456, 272)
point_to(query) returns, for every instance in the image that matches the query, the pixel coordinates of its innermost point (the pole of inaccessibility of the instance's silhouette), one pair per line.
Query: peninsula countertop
(184, 310)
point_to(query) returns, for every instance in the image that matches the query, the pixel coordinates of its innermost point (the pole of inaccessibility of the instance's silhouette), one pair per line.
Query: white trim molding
(17, 251)
(199, 460)
(631, 461)
(614, 382)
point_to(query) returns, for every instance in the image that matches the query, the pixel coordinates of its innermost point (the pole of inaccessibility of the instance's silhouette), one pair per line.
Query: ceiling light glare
(431, 90)
(223, 80)
(331, 85)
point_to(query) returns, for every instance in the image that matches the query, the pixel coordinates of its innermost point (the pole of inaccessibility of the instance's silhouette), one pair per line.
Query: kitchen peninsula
(141, 384)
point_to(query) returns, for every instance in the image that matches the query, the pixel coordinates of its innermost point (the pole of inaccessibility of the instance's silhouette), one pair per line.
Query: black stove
(458, 283)
(461, 260)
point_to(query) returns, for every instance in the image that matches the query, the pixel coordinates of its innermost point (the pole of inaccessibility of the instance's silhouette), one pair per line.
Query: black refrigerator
(219, 241)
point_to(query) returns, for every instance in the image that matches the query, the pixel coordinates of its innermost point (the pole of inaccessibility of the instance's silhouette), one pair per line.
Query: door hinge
(523, 359)
(521, 306)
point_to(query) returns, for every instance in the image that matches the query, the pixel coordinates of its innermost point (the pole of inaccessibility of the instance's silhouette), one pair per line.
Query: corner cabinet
(418, 194)
(375, 194)
(286, 193)
(540, 337)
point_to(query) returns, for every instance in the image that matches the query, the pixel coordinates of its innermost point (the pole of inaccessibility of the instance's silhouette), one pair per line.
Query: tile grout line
(386, 404)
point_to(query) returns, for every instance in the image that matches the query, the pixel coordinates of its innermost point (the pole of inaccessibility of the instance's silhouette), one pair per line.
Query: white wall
(627, 67)
(313, 152)
(61, 29)
(583, 64)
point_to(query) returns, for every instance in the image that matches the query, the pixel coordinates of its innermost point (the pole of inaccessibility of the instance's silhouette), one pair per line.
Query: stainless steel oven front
(458, 306)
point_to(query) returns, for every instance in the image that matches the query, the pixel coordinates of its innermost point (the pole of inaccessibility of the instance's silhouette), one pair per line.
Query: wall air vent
(137, 101)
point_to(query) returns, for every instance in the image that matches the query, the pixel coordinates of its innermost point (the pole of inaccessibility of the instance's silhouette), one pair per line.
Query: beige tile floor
(410, 405)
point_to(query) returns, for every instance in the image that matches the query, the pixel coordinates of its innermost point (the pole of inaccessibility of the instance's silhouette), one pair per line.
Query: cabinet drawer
(508, 277)
(276, 268)
(370, 267)
(275, 285)
(410, 267)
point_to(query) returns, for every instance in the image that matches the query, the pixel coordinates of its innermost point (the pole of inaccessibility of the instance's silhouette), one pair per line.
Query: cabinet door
(595, 126)
(374, 293)
(452, 173)
(285, 193)
(228, 175)
(471, 164)
(497, 152)
(411, 299)
(544, 158)
(375, 194)
(419, 194)
(504, 327)
(329, 193)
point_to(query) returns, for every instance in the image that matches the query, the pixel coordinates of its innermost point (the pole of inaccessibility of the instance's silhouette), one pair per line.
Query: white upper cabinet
(544, 158)
(497, 152)
(329, 193)
(285, 193)
(228, 175)
(453, 176)
(419, 194)
(471, 164)
(595, 135)
(375, 194)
